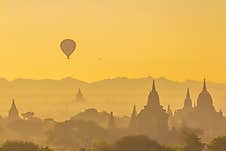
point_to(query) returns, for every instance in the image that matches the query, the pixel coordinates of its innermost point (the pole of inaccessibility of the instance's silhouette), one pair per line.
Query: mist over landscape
(112, 75)
(56, 98)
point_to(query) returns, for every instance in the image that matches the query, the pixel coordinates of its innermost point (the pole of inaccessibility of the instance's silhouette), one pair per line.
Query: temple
(80, 96)
(13, 112)
(188, 102)
(111, 122)
(133, 122)
(152, 119)
(158, 123)
(202, 116)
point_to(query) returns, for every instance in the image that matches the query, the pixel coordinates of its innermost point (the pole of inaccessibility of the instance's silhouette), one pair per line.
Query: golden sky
(177, 39)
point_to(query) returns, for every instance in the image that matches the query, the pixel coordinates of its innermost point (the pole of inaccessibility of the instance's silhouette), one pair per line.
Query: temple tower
(205, 101)
(111, 122)
(153, 98)
(169, 111)
(13, 112)
(153, 119)
(133, 118)
(188, 102)
(80, 96)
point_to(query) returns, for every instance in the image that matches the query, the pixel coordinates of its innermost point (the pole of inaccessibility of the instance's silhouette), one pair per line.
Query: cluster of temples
(155, 121)
(202, 115)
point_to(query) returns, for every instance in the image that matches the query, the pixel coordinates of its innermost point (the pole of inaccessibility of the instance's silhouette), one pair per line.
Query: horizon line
(111, 78)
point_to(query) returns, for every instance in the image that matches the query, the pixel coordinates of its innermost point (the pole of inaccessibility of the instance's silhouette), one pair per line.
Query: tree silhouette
(76, 134)
(22, 146)
(138, 143)
(102, 146)
(45, 149)
(218, 144)
(192, 142)
(19, 146)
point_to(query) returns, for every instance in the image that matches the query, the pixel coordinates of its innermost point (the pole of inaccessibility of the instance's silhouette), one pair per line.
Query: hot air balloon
(68, 46)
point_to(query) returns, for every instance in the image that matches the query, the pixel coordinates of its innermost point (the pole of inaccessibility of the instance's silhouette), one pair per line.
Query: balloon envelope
(68, 46)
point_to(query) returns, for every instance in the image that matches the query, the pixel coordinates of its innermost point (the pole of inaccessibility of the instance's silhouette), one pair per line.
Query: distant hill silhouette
(55, 98)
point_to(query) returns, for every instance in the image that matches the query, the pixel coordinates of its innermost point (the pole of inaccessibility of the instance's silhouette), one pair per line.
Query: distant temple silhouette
(201, 116)
(13, 112)
(153, 119)
(80, 96)
(111, 122)
(156, 122)
(133, 122)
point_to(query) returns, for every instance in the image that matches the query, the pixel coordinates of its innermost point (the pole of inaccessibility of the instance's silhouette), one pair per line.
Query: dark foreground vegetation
(22, 146)
(131, 143)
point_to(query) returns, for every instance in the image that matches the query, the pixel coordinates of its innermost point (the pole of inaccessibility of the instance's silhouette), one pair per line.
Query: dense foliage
(22, 146)
(131, 143)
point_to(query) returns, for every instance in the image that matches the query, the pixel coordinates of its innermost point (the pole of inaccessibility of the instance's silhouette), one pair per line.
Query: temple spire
(13, 103)
(153, 86)
(111, 122)
(132, 123)
(80, 96)
(188, 101)
(13, 112)
(169, 111)
(153, 98)
(134, 114)
(204, 85)
(188, 93)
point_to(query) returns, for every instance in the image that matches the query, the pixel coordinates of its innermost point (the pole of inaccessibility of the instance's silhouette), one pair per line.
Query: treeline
(132, 143)
(22, 146)
(142, 143)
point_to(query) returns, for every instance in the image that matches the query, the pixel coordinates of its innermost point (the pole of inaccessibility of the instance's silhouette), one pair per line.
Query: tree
(45, 149)
(101, 146)
(76, 134)
(22, 146)
(192, 142)
(28, 115)
(218, 144)
(19, 146)
(138, 143)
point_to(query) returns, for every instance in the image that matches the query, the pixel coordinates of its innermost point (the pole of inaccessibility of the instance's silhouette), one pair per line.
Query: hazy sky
(177, 39)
